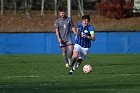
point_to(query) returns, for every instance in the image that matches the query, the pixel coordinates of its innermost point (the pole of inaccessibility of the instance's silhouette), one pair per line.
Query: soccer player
(63, 26)
(83, 42)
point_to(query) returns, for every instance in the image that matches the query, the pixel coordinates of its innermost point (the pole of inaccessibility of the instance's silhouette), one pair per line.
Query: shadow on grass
(68, 87)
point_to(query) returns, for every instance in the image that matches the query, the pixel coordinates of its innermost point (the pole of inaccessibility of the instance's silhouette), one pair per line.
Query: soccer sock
(74, 67)
(73, 61)
(69, 56)
(65, 58)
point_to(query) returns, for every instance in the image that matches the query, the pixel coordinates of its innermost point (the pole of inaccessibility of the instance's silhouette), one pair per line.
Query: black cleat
(71, 71)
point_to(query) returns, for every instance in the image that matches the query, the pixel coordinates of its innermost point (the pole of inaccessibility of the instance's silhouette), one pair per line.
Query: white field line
(32, 76)
(36, 76)
(5, 86)
(126, 74)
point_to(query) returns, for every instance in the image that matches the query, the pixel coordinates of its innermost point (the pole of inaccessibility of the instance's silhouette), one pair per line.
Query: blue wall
(46, 43)
(116, 42)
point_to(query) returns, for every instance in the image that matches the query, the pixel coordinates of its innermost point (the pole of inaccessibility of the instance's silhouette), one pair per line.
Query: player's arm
(75, 31)
(73, 28)
(56, 26)
(58, 34)
(92, 37)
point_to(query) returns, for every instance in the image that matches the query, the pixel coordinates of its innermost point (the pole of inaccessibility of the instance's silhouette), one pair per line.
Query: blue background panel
(46, 43)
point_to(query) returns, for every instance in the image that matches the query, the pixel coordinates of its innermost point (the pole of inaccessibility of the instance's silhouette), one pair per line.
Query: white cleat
(67, 65)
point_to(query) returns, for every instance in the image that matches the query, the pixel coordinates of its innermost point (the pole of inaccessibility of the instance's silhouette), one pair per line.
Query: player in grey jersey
(63, 26)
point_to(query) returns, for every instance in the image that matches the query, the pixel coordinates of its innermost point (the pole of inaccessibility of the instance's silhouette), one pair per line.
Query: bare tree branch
(81, 9)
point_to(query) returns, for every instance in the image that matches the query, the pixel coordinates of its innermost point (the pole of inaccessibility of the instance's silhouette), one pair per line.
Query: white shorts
(82, 51)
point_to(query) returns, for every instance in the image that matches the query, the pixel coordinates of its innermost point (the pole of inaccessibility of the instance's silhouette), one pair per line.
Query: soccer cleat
(67, 65)
(71, 71)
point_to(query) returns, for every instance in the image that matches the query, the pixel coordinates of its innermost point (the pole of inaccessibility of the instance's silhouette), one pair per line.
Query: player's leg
(76, 62)
(69, 43)
(63, 46)
(81, 55)
(70, 47)
(64, 53)
(75, 56)
(76, 65)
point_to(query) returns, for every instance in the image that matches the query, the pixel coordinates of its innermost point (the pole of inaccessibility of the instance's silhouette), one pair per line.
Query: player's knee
(75, 56)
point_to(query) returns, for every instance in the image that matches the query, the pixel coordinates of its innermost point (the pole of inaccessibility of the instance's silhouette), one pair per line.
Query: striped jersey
(84, 42)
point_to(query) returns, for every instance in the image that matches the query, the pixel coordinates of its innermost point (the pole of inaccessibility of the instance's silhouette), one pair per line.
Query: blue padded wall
(46, 43)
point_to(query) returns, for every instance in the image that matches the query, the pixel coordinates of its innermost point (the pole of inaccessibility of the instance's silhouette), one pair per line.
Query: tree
(61, 4)
(42, 7)
(2, 7)
(22, 4)
(28, 6)
(55, 7)
(69, 8)
(114, 8)
(81, 7)
(15, 6)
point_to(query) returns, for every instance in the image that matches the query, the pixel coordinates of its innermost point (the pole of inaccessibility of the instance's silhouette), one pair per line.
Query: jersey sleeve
(91, 29)
(71, 22)
(56, 24)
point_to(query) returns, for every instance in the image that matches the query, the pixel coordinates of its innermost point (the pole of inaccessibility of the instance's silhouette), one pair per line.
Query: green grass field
(112, 73)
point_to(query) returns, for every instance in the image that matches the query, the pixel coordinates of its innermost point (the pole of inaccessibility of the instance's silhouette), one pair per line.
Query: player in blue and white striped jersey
(82, 42)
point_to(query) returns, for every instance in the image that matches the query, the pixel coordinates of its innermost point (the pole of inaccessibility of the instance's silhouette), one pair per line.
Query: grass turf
(112, 73)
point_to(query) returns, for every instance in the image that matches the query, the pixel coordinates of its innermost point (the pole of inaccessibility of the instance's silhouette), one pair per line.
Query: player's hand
(59, 40)
(84, 35)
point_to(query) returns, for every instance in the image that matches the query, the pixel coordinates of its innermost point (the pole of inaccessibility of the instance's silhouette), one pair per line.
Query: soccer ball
(87, 68)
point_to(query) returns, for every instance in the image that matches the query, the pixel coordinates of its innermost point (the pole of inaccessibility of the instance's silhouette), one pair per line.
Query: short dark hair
(86, 17)
(61, 10)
